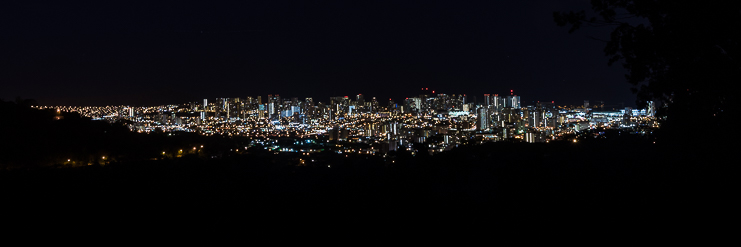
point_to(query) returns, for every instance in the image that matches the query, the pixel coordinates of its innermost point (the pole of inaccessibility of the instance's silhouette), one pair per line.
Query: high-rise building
(497, 101)
(650, 109)
(226, 107)
(261, 111)
(273, 107)
(482, 118)
(530, 137)
(203, 111)
(513, 101)
(360, 99)
(412, 104)
(374, 105)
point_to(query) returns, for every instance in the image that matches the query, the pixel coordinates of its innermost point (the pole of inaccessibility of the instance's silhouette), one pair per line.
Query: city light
(329, 125)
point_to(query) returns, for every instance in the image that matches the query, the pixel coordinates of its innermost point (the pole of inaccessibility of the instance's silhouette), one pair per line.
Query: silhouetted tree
(684, 55)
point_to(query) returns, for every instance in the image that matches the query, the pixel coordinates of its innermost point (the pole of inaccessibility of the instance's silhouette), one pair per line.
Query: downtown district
(368, 126)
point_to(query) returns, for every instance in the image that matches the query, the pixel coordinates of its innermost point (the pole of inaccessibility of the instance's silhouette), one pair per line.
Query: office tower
(295, 109)
(360, 99)
(512, 101)
(273, 107)
(650, 109)
(530, 137)
(308, 108)
(392, 105)
(374, 105)
(497, 101)
(338, 105)
(226, 107)
(457, 101)
(309, 102)
(203, 111)
(261, 111)
(586, 104)
(395, 128)
(482, 118)
(414, 104)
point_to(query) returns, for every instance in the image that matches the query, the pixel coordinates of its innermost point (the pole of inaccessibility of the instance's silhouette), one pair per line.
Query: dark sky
(173, 52)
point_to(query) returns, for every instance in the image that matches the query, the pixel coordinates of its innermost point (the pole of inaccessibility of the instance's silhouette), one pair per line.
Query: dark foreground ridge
(612, 177)
(471, 183)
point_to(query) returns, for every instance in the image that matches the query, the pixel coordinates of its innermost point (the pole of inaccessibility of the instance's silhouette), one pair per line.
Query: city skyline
(441, 121)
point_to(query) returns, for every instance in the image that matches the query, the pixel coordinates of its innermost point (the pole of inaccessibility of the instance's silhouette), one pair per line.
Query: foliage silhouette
(683, 55)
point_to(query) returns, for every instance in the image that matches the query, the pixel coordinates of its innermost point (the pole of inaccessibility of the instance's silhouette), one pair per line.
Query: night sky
(174, 52)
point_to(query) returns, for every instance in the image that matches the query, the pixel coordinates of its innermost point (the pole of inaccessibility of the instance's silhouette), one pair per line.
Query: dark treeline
(603, 177)
(33, 138)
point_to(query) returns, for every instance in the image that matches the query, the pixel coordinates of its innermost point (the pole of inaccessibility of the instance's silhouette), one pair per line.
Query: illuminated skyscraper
(497, 101)
(273, 106)
(261, 111)
(482, 118)
(226, 107)
(360, 100)
(530, 137)
(512, 101)
(203, 111)
(650, 109)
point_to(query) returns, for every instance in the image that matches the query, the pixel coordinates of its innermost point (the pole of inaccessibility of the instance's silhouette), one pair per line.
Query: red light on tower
(346, 96)
(427, 89)
(553, 102)
(511, 92)
(433, 91)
